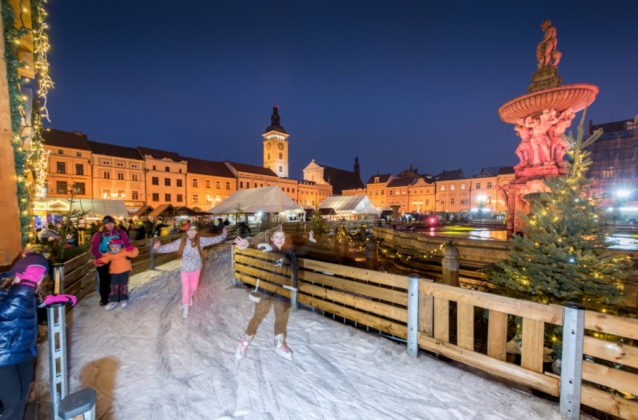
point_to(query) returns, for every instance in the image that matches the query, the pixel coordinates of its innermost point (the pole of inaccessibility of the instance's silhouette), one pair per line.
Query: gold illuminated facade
(276, 146)
(422, 196)
(208, 183)
(165, 177)
(69, 164)
(452, 192)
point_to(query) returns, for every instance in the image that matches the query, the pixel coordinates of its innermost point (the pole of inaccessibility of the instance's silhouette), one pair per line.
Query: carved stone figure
(523, 151)
(559, 146)
(546, 50)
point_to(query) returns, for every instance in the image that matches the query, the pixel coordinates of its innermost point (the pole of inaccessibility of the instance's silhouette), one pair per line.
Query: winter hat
(116, 241)
(108, 219)
(193, 226)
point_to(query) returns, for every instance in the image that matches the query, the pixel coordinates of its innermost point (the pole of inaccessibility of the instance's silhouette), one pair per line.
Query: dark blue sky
(397, 82)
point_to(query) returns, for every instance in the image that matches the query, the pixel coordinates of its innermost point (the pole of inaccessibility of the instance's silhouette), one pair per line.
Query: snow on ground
(147, 362)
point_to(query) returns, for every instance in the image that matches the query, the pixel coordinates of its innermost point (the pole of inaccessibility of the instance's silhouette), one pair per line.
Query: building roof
(207, 167)
(75, 140)
(450, 175)
(160, 154)
(506, 170)
(274, 121)
(382, 178)
(270, 199)
(494, 171)
(402, 182)
(352, 204)
(114, 150)
(253, 169)
(613, 127)
(341, 179)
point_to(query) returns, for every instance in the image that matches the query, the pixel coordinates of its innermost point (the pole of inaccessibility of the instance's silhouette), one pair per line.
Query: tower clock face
(268, 146)
(281, 146)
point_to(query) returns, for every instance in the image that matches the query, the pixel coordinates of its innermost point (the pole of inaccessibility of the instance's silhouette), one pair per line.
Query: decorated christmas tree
(318, 224)
(563, 255)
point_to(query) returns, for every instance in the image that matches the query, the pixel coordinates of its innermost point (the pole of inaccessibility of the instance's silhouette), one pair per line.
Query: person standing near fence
(286, 266)
(20, 291)
(118, 260)
(99, 247)
(190, 248)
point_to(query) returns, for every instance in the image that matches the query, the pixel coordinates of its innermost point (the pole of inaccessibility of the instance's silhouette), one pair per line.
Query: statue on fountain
(546, 50)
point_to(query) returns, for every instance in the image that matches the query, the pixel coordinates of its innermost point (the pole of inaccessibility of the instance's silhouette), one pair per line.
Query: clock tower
(276, 146)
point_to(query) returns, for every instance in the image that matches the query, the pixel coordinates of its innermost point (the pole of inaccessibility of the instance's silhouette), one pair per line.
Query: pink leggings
(189, 285)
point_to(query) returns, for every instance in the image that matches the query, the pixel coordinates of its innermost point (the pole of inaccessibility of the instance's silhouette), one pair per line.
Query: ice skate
(281, 349)
(184, 311)
(242, 345)
(124, 304)
(110, 306)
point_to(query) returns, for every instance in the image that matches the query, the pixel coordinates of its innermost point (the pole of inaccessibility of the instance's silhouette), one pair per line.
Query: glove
(129, 248)
(51, 299)
(98, 262)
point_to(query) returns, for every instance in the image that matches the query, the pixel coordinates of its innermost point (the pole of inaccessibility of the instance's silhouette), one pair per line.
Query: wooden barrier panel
(611, 351)
(497, 335)
(465, 326)
(611, 324)
(610, 377)
(609, 403)
(386, 279)
(441, 319)
(76, 262)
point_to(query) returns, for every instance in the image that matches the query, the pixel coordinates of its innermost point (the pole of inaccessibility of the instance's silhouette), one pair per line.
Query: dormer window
(167, 169)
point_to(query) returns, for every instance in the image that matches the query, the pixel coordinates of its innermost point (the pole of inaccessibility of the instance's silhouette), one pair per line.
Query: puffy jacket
(18, 324)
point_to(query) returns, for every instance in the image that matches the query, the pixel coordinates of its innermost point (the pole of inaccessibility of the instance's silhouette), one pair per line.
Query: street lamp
(622, 196)
(480, 200)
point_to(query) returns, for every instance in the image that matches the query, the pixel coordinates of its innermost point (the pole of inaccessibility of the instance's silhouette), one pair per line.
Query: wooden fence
(380, 301)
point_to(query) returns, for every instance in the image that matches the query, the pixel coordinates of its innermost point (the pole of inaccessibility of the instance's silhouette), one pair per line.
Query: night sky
(396, 82)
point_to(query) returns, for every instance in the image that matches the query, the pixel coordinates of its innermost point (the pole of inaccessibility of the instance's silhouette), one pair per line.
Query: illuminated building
(452, 192)
(422, 195)
(338, 179)
(376, 189)
(208, 183)
(276, 146)
(165, 177)
(69, 164)
(486, 189)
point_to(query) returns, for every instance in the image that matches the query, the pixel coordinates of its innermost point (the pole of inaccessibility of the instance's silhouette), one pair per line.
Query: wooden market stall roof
(161, 210)
(142, 211)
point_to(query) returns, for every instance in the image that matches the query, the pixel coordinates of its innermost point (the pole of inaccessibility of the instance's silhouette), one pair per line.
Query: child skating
(286, 266)
(190, 249)
(119, 269)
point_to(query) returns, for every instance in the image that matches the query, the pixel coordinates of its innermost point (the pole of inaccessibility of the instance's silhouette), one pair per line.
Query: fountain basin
(575, 96)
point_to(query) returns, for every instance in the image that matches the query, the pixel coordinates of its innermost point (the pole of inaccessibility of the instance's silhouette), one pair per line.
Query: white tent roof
(265, 199)
(93, 208)
(352, 204)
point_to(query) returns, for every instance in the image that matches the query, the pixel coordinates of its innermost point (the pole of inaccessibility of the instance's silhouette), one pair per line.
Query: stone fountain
(540, 119)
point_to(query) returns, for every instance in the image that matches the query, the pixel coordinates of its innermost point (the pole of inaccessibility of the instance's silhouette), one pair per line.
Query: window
(60, 187)
(228, 185)
(427, 201)
(377, 192)
(153, 167)
(155, 197)
(404, 192)
(79, 169)
(135, 195)
(167, 197)
(287, 189)
(281, 155)
(80, 188)
(78, 154)
(106, 193)
(167, 182)
(133, 177)
(293, 190)
(120, 176)
(180, 171)
(463, 201)
(442, 187)
(106, 162)
(462, 187)
(280, 169)
(442, 202)
(179, 198)
(382, 192)
(167, 169)
(60, 152)
(107, 175)
(209, 199)
(370, 192)
(134, 165)
(452, 201)
(489, 185)
(241, 184)
(218, 184)
(478, 185)
(608, 173)
(390, 192)
(179, 182)
(255, 185)
(208, 183)
(194, 182)
(155, 180)
(120, 194)
(195, 199)
(262, 184)
(119, 164)
(61, 168)
(452, 187)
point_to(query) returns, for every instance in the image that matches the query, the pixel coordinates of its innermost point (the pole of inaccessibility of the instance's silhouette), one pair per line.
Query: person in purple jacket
(100, 246)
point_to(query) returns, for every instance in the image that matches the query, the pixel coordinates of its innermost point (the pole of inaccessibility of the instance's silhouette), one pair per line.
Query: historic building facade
(487, 189)
(118, 174)
(165, 177)
(276, 146)
(422, 195)
(208, 183)
(376, 189)
(69, 164)
(452, 192)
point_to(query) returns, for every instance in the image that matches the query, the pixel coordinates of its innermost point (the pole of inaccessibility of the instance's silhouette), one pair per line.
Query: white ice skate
(184, 311)
(124, 304)
(281, 349)
(242, 345)
(110, 306)
(191, 303)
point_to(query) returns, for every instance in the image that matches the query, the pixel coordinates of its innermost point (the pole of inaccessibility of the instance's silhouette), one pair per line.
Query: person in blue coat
(20, 290)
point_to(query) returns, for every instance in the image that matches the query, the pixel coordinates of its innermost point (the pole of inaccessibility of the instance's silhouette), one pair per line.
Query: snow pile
(147, 362)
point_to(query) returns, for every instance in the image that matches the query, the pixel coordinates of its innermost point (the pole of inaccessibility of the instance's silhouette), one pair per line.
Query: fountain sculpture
(540, 119)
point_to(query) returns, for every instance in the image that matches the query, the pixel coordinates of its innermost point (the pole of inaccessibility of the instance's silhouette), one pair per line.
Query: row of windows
(62, 187)
(167, 182)
(120, 194)
(61, 168)
(119, 175)
(120, 164)
(167, 169)
(281, 156)
(209, 198)
(167, 197)
(218, 184)
(61, 152)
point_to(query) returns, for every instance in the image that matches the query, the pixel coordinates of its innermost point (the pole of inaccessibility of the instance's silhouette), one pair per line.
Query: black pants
(14, 388)
(104, 281)
(119, 287)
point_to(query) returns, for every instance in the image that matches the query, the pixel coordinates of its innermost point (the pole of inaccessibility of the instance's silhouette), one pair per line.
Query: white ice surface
(147, 362)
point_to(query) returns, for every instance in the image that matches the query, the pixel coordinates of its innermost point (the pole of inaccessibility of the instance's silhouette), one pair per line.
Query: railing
(380, 301)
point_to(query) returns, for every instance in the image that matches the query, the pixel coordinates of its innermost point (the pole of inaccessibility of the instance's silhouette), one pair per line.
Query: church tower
(276, 146)
(357, 168)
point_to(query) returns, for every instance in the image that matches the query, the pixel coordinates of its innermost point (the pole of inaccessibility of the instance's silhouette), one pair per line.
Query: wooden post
(413, 315)
(362, 232)
(451, 265)
(426, 314)
(152, 252)
(571, 373)
(11, 243)
(372, 254)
